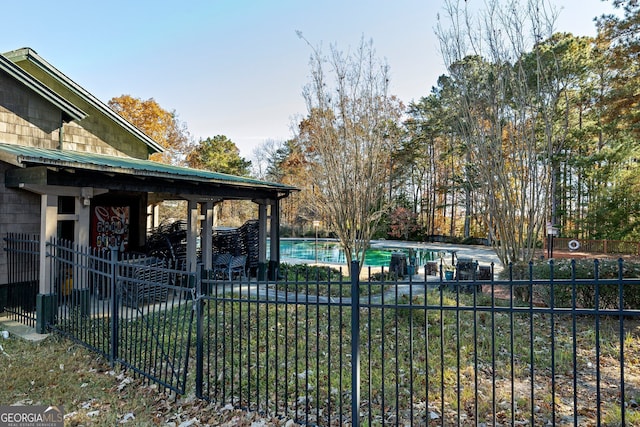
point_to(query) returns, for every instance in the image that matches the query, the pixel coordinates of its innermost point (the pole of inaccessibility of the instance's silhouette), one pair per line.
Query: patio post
(274, 259)
(262, 241)
(46, 298)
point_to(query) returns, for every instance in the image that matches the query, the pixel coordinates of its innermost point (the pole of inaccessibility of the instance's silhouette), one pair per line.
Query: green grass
(403, 346)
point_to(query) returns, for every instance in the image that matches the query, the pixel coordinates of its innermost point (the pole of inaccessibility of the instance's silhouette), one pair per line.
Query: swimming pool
(330, 252)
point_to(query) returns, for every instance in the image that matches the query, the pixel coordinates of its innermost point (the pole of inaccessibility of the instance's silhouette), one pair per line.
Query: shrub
(293, 272)
(585, 294)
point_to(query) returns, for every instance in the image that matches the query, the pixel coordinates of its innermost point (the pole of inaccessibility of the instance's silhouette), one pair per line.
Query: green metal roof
(24, 156)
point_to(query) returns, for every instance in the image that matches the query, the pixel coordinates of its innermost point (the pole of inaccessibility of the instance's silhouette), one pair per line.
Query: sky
(236, 67)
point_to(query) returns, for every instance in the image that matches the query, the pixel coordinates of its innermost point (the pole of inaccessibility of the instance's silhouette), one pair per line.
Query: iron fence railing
(134, 310)
(422, 352)
(330, 349)
(18, 295)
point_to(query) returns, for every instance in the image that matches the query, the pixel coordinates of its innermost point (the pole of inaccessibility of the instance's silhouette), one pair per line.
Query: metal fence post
(114, 306)
(199, 302)
(355, 344)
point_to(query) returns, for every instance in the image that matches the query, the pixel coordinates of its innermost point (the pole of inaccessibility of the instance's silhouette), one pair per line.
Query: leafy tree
(441, 171)
(554, 69)
(289, 165)
(622, 34)
(286, 163)
(159, 124)
(348, 138)
(218, 154)
(528, 126)
(608, 160)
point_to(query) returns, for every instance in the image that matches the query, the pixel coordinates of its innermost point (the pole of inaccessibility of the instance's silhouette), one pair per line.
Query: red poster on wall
(110, 227)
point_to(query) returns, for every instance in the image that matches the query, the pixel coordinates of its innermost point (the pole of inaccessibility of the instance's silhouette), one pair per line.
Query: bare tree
(264, 157)
(349, 136)
(501, 109)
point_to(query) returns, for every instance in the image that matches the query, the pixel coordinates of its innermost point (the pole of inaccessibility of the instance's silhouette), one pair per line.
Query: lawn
(450, 362)
(452, 359)
(57, 371)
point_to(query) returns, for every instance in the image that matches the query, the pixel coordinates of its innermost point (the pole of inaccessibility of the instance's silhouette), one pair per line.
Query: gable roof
(28, 54)
(70, 111)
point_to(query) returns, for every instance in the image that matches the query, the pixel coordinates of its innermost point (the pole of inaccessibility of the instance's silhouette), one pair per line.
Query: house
(70, 167)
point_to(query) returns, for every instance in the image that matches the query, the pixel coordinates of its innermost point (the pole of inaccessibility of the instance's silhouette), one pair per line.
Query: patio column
(48, 230)
(262, 241)
(274, 259)
(81, 238)
(193, 225)
(46, 299)
(206, 240)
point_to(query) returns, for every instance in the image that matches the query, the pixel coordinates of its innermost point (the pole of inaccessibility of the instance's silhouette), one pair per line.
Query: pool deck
(484, 255)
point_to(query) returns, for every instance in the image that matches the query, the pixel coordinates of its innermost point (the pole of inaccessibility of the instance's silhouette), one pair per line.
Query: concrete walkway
(19, 330)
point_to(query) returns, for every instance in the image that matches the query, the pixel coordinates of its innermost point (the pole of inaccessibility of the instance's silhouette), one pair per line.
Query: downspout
(60, 132)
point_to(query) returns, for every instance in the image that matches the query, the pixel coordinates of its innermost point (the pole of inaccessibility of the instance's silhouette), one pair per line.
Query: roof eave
(32, 56)
(70, 111)
(23, 160)
(32, 156)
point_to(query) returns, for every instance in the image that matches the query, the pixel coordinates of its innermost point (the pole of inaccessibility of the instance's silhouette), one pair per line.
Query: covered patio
(75, 188)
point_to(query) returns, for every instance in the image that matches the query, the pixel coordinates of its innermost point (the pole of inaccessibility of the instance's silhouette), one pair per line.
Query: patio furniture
(145, 281)
(220, 265)
(237, 266)
(227, 266)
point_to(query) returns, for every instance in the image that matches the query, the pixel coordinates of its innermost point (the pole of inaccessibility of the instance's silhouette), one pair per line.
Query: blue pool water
(330, 252)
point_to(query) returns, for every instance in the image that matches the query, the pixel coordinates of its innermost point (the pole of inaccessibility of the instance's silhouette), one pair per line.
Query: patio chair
(221, 265)
(238, 266)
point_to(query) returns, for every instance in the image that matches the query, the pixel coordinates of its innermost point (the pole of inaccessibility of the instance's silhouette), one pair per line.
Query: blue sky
(234, 67)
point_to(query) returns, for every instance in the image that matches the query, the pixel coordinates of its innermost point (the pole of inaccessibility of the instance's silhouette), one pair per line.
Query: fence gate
(136, 311)
(18, 295)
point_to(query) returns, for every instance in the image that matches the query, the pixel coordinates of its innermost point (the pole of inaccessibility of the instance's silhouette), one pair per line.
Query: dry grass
(57, 371)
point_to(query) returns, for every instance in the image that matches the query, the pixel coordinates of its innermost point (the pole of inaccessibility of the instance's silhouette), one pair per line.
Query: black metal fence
(427, 352)
(542, 348)
(134, 310)
(18, 295)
